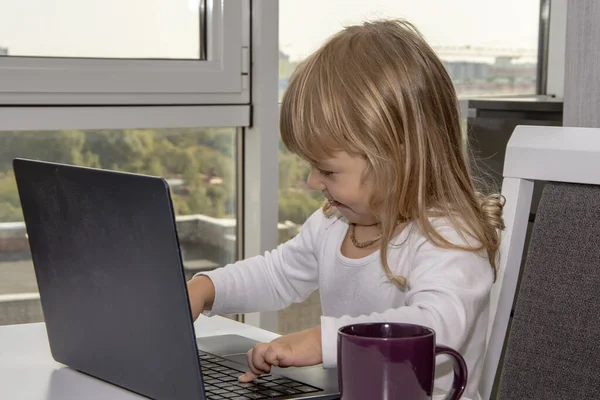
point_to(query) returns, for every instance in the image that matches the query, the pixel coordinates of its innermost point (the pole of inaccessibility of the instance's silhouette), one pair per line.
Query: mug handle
(460, 372)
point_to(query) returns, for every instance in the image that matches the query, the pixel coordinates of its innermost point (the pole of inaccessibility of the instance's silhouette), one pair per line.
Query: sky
(169, 28)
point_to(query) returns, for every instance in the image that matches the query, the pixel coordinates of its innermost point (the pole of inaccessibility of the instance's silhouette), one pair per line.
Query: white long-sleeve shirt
(447, 290)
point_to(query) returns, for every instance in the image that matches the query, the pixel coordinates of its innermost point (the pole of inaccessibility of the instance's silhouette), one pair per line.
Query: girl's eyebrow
(325, 165)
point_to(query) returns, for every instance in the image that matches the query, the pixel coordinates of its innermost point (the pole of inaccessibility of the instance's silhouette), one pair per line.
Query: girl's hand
(294, 350)
(201, 293)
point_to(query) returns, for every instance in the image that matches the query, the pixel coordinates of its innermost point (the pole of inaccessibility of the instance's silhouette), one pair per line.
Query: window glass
(489, 47)
(198, 163)
(133, 29)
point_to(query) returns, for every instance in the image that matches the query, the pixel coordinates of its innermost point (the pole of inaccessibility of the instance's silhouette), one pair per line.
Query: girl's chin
(355, 218)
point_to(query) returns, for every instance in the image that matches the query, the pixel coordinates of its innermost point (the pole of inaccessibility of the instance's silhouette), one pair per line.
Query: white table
(28, 371)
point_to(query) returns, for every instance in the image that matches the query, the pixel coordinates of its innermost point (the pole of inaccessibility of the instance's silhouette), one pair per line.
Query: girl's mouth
(332, 202)
(335, 203)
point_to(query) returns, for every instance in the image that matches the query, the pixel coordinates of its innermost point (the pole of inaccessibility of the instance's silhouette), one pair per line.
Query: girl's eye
(325, 173)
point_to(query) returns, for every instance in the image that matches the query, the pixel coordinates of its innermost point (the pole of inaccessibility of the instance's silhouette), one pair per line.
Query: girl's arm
(286, 275)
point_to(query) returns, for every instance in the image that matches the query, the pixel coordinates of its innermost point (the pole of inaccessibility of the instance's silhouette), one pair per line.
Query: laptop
(112, 288)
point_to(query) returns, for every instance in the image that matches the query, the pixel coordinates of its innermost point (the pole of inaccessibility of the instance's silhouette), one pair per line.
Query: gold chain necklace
(362, 245)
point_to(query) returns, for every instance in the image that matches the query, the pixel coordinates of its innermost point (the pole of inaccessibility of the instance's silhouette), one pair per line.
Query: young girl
(403, 236)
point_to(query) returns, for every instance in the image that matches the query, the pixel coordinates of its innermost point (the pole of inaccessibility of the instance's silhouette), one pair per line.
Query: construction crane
(484, 52)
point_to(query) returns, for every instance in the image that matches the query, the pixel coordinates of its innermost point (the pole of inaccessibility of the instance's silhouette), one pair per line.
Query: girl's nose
(314, 182)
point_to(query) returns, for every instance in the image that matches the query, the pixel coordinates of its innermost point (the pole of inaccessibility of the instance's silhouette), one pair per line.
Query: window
(75, 88)
(488, 47)
(132, 52)
(198, 163)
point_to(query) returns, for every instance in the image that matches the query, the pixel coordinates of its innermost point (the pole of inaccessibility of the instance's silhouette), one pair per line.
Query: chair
(549, 351)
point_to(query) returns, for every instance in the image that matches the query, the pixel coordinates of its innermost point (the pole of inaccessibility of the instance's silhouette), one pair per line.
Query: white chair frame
(533, 153)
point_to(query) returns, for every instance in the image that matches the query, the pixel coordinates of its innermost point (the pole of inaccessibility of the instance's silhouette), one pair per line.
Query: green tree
(10, 210)
(296, 205)
(219, 198)
(198, 202)
(56, 146)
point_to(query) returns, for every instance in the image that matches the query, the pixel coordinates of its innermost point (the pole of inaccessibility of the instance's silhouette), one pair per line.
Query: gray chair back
(552, 348)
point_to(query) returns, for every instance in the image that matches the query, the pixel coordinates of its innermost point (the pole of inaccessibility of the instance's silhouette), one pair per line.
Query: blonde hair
(378, 90)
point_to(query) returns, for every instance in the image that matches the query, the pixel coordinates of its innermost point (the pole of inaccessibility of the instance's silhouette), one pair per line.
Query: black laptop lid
(112, 287)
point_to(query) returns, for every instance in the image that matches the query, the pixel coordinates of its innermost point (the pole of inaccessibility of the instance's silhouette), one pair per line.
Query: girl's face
(340, 180)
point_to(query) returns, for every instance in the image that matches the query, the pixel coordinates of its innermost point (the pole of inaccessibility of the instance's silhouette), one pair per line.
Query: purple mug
(392, 361)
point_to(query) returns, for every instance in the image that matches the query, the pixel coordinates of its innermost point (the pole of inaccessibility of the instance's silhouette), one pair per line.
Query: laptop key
(284, 381)
(270, 393)
(245, 385)
(286, 390)
(243, 391)
(306, 389)
(255, 396)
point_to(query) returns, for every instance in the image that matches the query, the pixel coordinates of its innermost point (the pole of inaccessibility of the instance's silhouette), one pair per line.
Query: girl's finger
(247, 377)
(258, 359)
(251, 366)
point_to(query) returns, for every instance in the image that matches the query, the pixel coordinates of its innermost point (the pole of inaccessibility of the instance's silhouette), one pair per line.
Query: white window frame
(223, 78)
(261, 146)
(108, 117)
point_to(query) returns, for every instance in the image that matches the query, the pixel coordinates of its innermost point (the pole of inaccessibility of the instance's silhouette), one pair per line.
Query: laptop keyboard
(221, 382)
